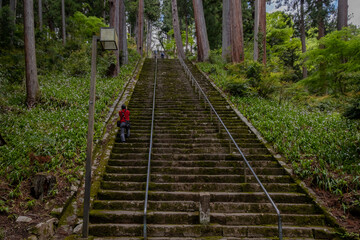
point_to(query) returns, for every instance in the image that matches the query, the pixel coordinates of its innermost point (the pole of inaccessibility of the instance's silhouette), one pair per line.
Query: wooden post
(90, 137)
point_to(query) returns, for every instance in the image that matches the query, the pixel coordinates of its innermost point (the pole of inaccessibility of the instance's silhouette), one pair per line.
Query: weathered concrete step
(161, 178)
(192, 157)
(252, 197)
(285, 208)
(116, 216)
(215, 207)
(201, 187)
(177, 206)
(204, 163)
(189, 145)
(172, 217)
(187, 141)
(198, 231)
(195, 171)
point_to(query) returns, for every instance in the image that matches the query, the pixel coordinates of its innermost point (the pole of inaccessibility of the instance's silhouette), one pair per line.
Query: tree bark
(177, 34)
(104, 12)
(114, 23)
(302, 32)
(226, 34)
(237, 36)
(140, 30)
(201, 33)
(12, 6)
(256, 31)
(40, 16)
(123, 34)
(32, 84)
(262, 29)
(63, 21)
(343, 9)
(0, 4)
(187, 35)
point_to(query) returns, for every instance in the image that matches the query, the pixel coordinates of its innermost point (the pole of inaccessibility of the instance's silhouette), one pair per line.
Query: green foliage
(79, 62)
(56, 128)
(6, 26)
(335, 63)
(81, 27)
(321, 146)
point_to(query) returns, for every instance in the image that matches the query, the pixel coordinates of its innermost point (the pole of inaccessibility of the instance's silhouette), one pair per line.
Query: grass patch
(52, 135)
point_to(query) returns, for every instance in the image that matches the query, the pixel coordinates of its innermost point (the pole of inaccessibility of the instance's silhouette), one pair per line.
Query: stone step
(192, 157)
(189, 145)
(161, 178)
(201, 187)
(216, 207)
(204, 163)
(198, 231)
(252, 197)
(171, 217)
(195, 171)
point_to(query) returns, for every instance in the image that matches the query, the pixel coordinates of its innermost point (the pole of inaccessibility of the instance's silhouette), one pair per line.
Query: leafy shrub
(353, 111)
(238, 87)
(79, 62)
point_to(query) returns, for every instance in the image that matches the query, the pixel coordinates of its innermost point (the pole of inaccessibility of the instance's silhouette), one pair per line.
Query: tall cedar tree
(140, 28)
(178, 40)
(203, 48)
(32, 84)
(343, 9)
(237, 34)
(114, 22)
(40, 15)
(122, 34)
(260, 31)
(226, 35)
(63, 21)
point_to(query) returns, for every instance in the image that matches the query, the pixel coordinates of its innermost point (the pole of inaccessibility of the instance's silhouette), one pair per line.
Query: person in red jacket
(124, 122)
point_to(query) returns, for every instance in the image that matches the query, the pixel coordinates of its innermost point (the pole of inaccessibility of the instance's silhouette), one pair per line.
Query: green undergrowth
(321, 144)
(52, 136)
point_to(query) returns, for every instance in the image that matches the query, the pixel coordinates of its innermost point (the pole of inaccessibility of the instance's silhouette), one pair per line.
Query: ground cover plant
(51, 137)
(309, 129)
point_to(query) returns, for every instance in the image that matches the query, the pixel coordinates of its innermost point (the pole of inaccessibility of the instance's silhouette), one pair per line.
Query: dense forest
(294, 74)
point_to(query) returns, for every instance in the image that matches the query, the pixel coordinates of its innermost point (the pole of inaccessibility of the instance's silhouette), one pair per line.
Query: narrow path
(191, 158)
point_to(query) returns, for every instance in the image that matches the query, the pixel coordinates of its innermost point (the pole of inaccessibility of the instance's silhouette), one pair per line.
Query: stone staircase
(190, 160)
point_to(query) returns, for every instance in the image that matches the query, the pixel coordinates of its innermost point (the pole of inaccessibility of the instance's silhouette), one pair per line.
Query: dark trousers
(123, 129)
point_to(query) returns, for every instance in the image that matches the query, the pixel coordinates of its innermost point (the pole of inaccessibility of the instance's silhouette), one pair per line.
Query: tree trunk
(187, 35)
(114, 22)
(63, 21)
(256, 31)
(237, 36)
(13, 4)
(201, 33)
(148, 37)
(226, 33)
(177, 34)
(262, 29)
(140, 30)
(40, 16)
(104, 12)
(0, 4)
(123, 34)
(302, 32)
(32, 84)
(343, 9)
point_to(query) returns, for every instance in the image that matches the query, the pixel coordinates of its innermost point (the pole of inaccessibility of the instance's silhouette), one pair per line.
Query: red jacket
(124, 113)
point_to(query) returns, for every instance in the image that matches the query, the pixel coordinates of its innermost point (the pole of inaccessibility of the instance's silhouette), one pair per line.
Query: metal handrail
(189, 74)
(150, 150)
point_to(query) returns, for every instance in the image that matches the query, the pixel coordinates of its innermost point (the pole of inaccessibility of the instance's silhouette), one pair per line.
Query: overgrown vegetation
(308, 121)
(51, 137)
